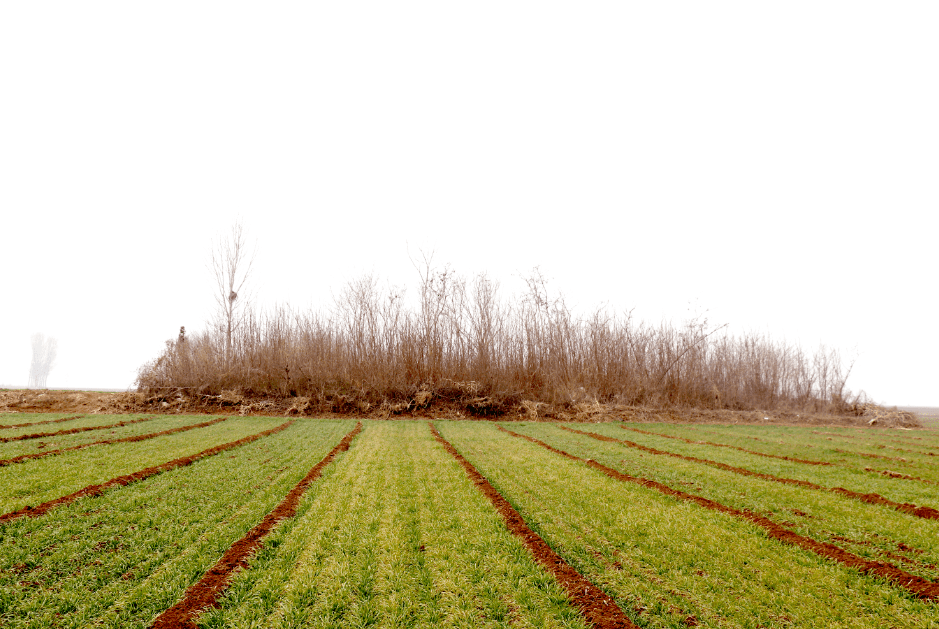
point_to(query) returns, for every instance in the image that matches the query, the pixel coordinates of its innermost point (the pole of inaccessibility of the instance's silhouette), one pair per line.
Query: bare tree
(44, 351)
(231, 265)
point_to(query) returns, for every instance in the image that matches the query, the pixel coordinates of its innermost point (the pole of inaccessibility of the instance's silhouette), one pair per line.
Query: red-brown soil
(170, 431)
(48, 421)
(892, 474)
(598, 608)
(724, 445)
(209, 589)
(916, 585)
(72, 431)
(886, 553)
(919, 452)
(923, 512)
(868, 455)
(97, 490)
(437, 406)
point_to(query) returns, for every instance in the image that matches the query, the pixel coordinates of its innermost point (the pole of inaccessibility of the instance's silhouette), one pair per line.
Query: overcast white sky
(774, 163)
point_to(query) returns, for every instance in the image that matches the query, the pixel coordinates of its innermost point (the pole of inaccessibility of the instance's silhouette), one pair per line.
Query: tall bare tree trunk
(231, 265)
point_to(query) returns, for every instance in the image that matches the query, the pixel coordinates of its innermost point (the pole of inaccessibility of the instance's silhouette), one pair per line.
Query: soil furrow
(73, 431)
(596, 606)
(916, 585)
(48, 421)
(210, 588)
(871, 498)
(95, 490)
(724, 445)
(917, 452)
(899, 475)
(868, 455)
(170, 431)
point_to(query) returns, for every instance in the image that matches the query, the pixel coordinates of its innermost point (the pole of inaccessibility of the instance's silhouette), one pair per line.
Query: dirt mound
(86, 402)
(875, 415)
(457, 401)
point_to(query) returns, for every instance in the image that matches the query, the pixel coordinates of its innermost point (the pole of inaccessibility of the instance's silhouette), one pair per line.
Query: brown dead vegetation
(444, 404)
(457, 346)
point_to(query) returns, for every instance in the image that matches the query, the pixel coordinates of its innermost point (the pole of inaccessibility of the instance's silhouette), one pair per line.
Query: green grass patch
(36, 481)
(871, 531)
(42, 445)
(119, 559)
(809, 443)
(670, 559)
(394, 535)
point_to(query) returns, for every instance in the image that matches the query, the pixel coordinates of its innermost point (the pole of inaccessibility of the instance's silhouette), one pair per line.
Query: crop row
(121, 557)
(36, 446)
(36, 419)
(916, 465)
(680, 561)
(868, 528)
(465, 524)
(829, 445)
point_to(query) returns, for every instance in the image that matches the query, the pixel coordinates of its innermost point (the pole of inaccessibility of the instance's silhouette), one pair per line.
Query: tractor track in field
(871, 498)
(899, 475)
(915, 585)
(594, 604)
(866, 442)
(725, 445)
(47, 421)
(853, 452)
(97, 490)
(74, 431)
(868, 455)
(169, 431)
(206, 592)
(887, 473)
(917, 452)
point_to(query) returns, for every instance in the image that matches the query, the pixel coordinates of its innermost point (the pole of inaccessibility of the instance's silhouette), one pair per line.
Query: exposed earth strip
(596, 606)
(96, 490)
(923, 512)
(170, 431)
(74, 431)
(916, 585)
(724, 445)
(887, 473)
(210, 588)
(48, 421)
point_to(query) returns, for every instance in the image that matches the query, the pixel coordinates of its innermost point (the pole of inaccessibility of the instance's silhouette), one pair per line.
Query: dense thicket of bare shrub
(460, 341)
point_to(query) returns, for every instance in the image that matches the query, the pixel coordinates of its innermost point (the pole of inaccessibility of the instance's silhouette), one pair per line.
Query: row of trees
(458, 338)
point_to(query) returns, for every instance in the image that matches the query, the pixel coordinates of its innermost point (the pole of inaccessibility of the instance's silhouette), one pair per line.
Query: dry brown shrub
(587, 410)
(393, 408)
(886, 417)
(300, 406)
(462, 347)
(422, 399)
(531, 408)
(231, 397)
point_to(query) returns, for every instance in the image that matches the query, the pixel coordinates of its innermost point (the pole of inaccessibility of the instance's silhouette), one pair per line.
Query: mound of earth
(232, 402)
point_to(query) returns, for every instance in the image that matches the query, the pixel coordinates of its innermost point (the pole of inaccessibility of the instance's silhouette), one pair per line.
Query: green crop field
(184, 521)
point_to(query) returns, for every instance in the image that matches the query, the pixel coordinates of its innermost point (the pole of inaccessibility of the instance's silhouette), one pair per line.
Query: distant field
(345, 524)
(929, 415)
